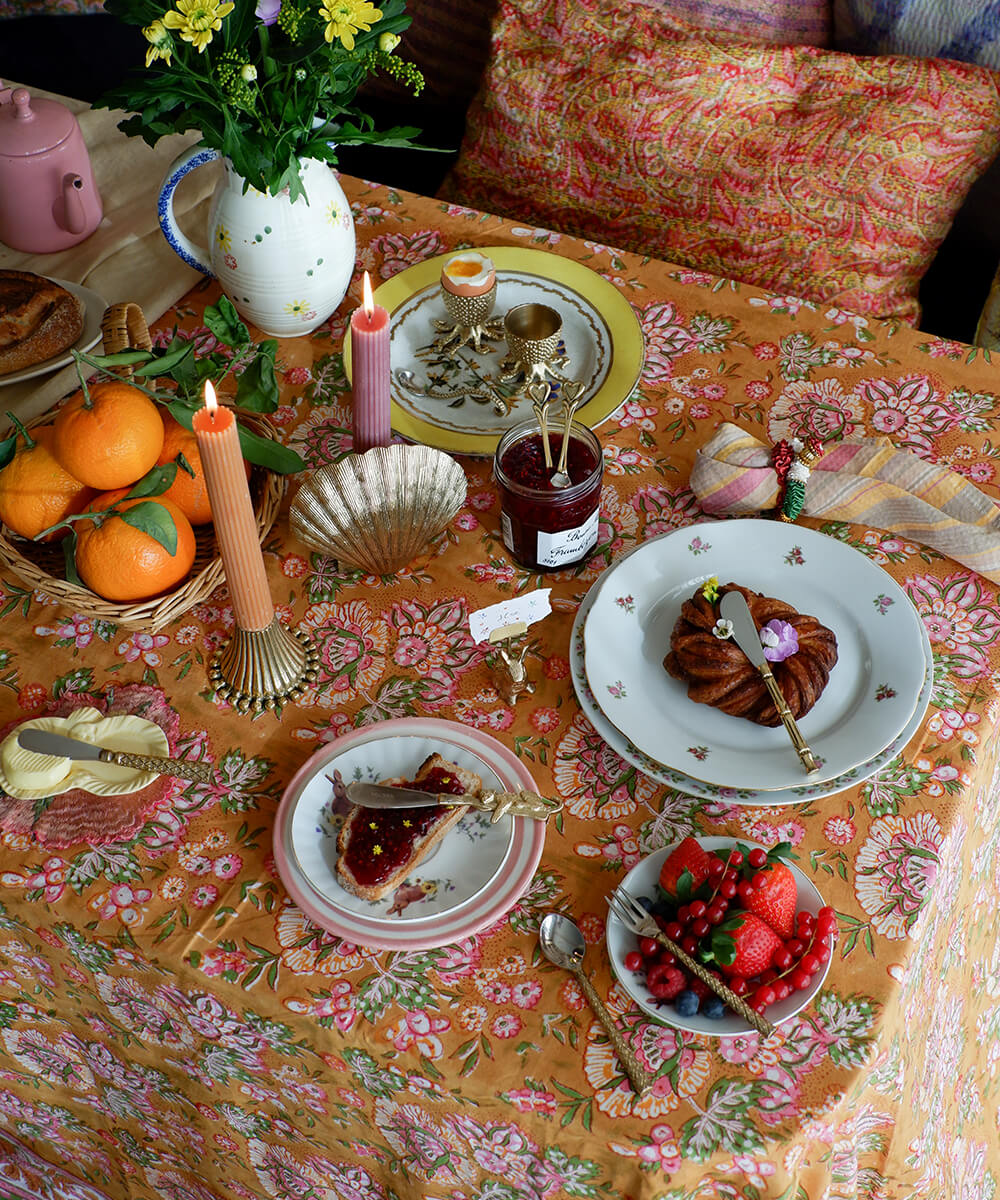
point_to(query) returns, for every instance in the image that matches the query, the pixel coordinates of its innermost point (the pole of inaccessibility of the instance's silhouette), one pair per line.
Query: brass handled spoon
(540, 395)
(572, 392)
(562, 943)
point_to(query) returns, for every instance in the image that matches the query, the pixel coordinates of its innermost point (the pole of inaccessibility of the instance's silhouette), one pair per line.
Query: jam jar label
(568, 545)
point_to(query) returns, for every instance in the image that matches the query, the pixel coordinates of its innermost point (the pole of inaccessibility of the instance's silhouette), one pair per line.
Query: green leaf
(166, 363)
(265, 452)
(154, 519)
(7, 449)
(224, 322)
(154, 483)
(257, 387)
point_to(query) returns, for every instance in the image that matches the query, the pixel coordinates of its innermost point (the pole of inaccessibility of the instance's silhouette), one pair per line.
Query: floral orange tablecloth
(173, 1026)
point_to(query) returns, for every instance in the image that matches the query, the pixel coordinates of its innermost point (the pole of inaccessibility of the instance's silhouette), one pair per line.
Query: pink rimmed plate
(475, 876)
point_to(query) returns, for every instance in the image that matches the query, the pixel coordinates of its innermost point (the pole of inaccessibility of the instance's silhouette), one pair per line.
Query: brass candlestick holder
(260, 669)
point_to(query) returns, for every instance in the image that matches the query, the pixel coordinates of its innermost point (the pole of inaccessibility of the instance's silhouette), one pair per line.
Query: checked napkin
(865, 482)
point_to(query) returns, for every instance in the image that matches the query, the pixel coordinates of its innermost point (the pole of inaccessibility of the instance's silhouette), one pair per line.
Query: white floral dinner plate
(695, 787)
(642, 881)
(475, 875)
(94, 307)
(873, 688)
(601, 334)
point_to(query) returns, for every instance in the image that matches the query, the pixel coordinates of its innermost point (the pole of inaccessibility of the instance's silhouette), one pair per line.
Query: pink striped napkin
(866, 482)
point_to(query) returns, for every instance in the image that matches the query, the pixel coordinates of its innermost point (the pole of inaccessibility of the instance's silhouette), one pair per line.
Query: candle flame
(367, 299)
(211, 404)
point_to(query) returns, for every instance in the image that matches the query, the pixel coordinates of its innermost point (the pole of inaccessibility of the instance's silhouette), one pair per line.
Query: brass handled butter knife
(518, 804)
(734, 608)
(40, 741)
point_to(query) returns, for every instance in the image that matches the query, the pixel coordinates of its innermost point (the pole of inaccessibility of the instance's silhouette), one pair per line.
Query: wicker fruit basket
(40, 564)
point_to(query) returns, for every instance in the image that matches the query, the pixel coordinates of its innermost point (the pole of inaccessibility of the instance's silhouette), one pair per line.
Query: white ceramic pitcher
(285, 266)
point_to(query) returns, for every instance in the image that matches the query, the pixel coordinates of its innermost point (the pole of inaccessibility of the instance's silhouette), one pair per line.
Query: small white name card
(519, 610)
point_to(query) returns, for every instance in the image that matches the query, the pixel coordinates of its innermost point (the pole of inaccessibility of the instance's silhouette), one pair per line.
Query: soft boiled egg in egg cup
(469, 292)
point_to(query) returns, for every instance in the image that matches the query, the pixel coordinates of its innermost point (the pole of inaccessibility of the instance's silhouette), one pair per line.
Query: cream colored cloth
(127, 256)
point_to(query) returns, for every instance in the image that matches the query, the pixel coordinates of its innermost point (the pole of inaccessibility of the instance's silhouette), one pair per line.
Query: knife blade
(734, 608)
(518, 804)
(41, 741)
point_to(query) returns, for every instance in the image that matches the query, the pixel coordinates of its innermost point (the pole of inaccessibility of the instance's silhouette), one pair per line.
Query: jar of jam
(544, 527)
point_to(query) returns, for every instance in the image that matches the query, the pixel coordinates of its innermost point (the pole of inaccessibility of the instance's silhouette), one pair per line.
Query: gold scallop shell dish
(376, 511)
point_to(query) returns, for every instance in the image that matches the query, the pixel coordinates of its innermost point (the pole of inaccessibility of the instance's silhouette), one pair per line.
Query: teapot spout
(74, 214)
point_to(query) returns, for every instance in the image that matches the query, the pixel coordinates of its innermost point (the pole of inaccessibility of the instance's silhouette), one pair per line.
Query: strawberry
(685, 869)
(774, 899)
(744, 945)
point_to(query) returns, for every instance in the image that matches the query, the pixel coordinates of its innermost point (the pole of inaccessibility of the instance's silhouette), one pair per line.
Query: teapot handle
(194, 255)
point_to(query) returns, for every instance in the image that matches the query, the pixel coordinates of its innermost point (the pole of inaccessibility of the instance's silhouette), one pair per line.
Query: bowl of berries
(747, 913)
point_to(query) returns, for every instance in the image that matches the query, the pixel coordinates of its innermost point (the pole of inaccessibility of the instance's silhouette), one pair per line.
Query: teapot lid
(30, 124)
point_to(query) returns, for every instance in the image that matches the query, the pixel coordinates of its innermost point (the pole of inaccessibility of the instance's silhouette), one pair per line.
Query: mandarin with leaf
(109, 436)
(119, 559)
(35, 491)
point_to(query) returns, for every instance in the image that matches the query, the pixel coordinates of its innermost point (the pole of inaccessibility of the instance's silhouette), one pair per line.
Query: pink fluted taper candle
(370, 370)
(232, 514)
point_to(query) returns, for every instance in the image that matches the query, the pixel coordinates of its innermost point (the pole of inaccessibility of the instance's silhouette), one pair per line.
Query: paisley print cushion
(803, 171)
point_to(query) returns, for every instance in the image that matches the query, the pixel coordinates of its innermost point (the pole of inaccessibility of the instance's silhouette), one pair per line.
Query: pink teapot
(48, 197)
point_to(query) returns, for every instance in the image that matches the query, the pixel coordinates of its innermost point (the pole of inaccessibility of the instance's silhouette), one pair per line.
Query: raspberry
(664, 982)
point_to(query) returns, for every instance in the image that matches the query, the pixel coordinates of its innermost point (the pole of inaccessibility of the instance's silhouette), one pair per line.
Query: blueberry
(686, 1003)
(662, 908)
(714, 1008)
(646, 903)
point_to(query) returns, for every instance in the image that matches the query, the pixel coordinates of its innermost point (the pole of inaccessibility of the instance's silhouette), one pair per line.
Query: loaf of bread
(379, 847)
(718, 673)
(38, 320)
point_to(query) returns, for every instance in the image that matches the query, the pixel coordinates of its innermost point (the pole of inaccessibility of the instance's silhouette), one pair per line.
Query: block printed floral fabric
(172, 1025)
(964, 29)
(803, 171)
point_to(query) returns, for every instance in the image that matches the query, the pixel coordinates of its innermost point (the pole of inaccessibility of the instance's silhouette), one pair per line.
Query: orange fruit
(188, 492)
(112, 442)
(120, 562)
(35, 491)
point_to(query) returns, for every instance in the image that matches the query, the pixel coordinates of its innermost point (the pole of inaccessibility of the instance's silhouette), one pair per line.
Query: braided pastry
(718, 673)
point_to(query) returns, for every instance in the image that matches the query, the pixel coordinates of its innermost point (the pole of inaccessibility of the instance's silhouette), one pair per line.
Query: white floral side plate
(472, 878)
(873, 688)
(695, 787)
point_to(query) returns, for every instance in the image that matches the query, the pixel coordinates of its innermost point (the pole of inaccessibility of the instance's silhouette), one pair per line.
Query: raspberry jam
(548, 528)
(382, 838)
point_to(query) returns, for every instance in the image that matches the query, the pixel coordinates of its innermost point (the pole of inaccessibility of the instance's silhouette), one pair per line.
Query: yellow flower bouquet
(267, 84)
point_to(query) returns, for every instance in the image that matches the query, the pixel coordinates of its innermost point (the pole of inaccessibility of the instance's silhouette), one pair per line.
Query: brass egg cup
(469, 322)
(533, 332)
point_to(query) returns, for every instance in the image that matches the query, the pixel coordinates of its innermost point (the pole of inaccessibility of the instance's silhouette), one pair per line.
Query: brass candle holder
(259, 669)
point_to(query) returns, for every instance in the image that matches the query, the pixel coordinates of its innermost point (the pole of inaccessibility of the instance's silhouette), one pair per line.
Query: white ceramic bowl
(642, 881)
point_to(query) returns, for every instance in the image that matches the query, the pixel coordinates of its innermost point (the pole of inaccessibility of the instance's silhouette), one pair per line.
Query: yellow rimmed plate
(601, 333)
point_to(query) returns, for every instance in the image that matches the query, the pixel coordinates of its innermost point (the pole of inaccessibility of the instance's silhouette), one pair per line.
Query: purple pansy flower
(779, 639)
(267, 11)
